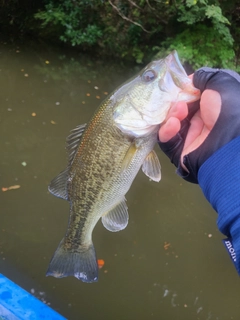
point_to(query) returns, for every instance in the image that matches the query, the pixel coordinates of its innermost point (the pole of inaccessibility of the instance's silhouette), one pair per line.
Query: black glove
(226, 128)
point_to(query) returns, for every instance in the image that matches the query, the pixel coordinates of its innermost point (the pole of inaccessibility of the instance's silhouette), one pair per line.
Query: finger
(197, 133)
(169, 129)
(178, 110)
(209, 113)
(203, 120)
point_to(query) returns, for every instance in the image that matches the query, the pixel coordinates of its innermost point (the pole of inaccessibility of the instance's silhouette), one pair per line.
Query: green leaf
(215, 12)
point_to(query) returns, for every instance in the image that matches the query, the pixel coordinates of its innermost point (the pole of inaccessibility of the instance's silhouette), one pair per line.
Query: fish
(105, 155)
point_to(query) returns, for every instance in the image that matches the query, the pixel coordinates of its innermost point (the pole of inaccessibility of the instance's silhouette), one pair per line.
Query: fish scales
(106, 155)
(98, 182)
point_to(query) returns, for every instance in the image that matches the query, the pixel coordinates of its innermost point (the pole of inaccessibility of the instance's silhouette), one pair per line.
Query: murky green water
(169, 263)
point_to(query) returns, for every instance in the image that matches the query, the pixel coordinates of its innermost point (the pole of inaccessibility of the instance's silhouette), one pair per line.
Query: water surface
(169, 263)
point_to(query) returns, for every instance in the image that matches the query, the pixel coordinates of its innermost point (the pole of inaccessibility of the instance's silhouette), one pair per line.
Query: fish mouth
(173, 62)
(176, 76)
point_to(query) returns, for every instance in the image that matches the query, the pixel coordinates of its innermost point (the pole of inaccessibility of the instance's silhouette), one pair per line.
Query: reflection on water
(169, 263)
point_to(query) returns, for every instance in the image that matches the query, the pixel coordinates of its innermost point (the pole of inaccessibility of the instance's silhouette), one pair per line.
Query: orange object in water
(10, 188)
(100, 263)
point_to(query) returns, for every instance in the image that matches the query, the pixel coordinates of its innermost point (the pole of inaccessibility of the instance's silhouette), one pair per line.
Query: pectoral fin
(129, 156)
(117, 218)
(151, 167)
(58, 186)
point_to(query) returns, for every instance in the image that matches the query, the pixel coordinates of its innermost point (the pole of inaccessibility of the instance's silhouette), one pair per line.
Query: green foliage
(198, 50)
(204, 36)
(203, 31)
(72, 18)
(198, 29)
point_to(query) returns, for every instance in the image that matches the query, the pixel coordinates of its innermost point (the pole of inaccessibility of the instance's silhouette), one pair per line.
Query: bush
(204, 32)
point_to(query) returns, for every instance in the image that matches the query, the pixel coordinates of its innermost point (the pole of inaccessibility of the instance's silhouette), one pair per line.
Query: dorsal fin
(73, 141)
(58, 186)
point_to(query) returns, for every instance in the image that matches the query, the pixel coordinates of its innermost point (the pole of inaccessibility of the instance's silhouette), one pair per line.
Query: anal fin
(117, 218)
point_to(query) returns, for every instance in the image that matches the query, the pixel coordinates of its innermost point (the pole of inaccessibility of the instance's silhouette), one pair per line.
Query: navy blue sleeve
(219, 179)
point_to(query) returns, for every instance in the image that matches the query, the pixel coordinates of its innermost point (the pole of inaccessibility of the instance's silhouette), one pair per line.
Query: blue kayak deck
(18, 304)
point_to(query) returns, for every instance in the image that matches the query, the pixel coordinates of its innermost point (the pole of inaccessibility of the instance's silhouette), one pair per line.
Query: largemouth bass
(105, 156)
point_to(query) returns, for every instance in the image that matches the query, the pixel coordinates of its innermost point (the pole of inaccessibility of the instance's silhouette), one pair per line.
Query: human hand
(190, 137)
(201, 123)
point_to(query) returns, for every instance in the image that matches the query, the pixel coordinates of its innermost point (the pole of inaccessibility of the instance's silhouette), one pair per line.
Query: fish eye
(148, 75)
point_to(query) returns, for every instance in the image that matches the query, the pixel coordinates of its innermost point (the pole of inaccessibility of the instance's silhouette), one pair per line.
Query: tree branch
(135, 5)
(127, 19)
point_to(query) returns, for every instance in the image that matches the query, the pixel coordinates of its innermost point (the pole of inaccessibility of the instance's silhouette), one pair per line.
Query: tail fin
(80, 264)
